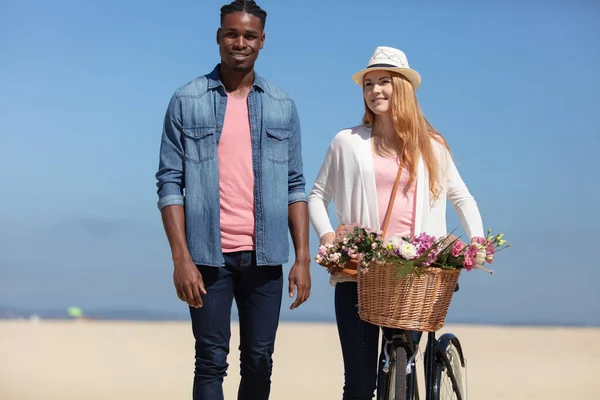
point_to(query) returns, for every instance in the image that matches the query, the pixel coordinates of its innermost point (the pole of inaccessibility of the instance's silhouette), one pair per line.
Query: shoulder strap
(388, 213)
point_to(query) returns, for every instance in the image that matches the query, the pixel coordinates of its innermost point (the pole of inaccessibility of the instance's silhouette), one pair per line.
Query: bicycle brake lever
(386, 363)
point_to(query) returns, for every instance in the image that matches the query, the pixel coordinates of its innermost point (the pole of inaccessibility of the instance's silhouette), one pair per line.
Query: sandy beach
(94, 360)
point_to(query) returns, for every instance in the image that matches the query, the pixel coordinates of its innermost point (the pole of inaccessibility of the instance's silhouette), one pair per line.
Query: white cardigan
(347, 177)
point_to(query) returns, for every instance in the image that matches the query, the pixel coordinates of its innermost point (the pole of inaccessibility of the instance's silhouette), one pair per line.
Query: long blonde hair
(414, 133)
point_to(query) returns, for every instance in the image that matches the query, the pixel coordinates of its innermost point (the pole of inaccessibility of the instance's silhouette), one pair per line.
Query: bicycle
(445, 367)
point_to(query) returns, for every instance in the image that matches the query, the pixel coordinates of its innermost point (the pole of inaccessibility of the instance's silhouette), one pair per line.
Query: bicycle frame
(434, 354)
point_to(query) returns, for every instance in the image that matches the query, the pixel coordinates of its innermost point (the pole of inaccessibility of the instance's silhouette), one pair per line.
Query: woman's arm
(321, 195)
(462, 200)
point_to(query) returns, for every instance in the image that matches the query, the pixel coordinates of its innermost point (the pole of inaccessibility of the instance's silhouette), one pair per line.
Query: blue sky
(512, 85)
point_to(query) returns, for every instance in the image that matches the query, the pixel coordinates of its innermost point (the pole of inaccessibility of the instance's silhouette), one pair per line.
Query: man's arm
(299, 279)
(187, 278)
(300, 273)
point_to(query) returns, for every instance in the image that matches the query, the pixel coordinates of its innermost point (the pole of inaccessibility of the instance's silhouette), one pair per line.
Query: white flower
(394, 242)
(408, 250)
(480, 257)
(335, 257)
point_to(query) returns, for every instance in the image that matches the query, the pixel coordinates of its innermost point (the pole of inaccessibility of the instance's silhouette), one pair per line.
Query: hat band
(383, 66)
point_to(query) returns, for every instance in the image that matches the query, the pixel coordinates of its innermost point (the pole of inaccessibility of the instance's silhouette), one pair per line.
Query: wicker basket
(417, 303)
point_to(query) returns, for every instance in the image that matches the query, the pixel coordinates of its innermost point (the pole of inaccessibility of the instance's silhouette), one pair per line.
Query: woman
(358, 174)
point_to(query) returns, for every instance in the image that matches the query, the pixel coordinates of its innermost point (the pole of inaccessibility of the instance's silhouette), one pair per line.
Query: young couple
(232, 140)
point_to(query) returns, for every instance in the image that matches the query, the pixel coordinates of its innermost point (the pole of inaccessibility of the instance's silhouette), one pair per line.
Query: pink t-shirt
(403, 213)
(236, 178)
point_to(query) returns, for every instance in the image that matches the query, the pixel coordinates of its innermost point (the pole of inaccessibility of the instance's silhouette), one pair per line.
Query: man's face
(240, 38)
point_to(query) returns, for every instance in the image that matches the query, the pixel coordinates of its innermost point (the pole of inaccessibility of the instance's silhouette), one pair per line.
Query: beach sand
(93, 360)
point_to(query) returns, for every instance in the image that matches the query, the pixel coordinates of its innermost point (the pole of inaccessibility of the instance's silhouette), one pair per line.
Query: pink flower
(482, 241)
(470, 256)
(347, 229)
(457, 248)
(490, 249)
(469, 263)
(322, 251)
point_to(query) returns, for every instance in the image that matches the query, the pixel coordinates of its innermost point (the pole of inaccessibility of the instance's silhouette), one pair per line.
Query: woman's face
(377, 91)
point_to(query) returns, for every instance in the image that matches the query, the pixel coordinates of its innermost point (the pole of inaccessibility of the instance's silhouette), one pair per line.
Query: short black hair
(247, 6)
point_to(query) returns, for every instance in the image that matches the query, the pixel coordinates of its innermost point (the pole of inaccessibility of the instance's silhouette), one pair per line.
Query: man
(232, 140)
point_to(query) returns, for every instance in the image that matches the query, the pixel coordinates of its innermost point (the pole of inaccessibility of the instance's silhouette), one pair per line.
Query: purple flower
(432, 256)
(422, 242)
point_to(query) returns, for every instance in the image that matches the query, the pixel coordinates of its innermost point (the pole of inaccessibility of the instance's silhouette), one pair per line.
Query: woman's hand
(327, 238)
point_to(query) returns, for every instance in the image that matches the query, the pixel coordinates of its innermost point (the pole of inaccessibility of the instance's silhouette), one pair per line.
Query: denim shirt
(188, 167)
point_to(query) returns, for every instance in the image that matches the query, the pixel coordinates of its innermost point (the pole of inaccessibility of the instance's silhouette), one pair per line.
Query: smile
(239, 56)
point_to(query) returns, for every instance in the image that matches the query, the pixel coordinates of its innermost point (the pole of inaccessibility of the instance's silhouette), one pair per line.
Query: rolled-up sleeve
(170, 182)
(296, 181)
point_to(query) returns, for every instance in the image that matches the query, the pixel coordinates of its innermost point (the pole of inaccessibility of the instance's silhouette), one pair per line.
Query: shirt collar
(214, 80)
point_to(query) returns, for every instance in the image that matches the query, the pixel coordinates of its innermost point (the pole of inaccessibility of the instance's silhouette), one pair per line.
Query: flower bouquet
(407, 283)
(412, 255)
(353, 244)
(365, 247)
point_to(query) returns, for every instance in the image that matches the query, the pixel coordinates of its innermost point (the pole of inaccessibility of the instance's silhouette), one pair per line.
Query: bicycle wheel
(395, 382)
(446, 389)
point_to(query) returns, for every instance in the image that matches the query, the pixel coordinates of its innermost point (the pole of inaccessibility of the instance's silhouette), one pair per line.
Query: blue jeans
(257, 292)
(363, 360)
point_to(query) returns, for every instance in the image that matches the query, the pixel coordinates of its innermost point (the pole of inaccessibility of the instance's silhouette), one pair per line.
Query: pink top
(236, 180)
(403, 214)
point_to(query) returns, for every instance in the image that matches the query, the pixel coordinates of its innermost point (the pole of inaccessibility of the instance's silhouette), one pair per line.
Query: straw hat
(389, 59)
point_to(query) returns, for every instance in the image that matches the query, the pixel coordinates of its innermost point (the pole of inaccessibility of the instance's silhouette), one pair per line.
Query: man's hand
(188, 280)
(300, 272)
(188, 283)
(299, 282)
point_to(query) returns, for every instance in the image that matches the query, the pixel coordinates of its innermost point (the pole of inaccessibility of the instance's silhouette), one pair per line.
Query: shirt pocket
(277, 144)
(199, 144)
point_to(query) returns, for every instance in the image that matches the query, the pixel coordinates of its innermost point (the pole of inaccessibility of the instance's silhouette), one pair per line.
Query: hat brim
(410, 74)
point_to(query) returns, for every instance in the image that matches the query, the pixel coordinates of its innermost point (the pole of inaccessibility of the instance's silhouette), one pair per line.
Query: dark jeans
(363, 360)
(257, 293)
